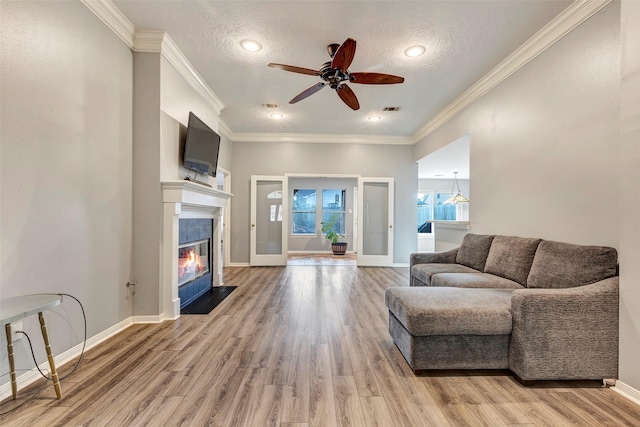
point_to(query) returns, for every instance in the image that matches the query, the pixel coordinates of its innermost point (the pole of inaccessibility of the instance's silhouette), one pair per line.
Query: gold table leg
(12, 363)
(54, 374)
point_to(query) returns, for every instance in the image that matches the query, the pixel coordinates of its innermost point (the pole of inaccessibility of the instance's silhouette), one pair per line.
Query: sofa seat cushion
(474, 250)
(423, 272)
(473, 280)
(511, 257)
(564, 265)
(425, 311)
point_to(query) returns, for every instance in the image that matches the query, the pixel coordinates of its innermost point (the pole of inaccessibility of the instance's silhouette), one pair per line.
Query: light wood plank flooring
(302, 345)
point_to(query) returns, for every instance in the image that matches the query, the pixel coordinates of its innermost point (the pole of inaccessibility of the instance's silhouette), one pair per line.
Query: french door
(375, 222)
(269, 220)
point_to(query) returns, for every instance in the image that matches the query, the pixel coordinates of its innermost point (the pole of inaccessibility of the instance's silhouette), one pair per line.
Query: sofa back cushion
(564, 265)
(474, 250)
(511, 257)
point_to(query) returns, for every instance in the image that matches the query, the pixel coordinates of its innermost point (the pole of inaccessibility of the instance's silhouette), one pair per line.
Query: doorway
(287, 212)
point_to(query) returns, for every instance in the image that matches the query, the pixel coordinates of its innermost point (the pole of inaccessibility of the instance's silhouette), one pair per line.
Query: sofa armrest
(448, 257)
(569, 333)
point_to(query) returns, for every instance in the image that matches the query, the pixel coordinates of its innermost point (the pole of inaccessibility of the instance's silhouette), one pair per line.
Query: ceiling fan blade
(308, 92)
(346, 94)
(293, 69)
(344, 55)
(375, 78)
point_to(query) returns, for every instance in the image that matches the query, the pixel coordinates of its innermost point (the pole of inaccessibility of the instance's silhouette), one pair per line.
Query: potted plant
(328, 228)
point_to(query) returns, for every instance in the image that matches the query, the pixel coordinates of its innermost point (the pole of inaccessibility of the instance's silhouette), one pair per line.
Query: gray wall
(162, 101)
(147, 196)
(630, 196)
(543, 152)
(547, 158)
(319, 159)
(66, 169)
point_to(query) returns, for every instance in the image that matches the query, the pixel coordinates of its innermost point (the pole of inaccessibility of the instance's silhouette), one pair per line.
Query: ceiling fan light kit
(336, 73)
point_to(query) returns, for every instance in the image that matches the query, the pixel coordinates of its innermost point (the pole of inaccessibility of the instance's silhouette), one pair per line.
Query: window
(303, 216)
(276, 209)
(333, 203)
(431, 207)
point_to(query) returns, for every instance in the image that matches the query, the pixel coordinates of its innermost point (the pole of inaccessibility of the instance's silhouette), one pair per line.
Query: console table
(16, 308)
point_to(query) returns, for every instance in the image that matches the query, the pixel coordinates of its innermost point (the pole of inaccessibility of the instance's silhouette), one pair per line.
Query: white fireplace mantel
(186, 199)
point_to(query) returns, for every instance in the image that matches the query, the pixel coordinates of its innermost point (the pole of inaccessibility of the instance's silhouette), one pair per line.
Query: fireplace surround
(188, 200)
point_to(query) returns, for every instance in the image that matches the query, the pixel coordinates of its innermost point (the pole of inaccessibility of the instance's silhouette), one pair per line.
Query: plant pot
(339, 248)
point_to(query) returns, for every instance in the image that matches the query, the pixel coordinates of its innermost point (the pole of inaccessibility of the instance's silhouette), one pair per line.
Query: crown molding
(225, 130)
(111, 16)
(159, 41)
(310, 138)
(570, 18)
(153, 41)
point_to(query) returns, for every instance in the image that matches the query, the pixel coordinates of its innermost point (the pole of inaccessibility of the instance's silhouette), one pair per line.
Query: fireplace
(184, 202)
(195, 262)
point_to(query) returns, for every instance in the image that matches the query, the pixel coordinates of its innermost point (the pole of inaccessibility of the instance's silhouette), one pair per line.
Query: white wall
(66, 156)
(630, 196)
(443, 186)
(367, 160)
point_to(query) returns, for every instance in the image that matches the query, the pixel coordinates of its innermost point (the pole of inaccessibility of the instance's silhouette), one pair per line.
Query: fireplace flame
(190, 266)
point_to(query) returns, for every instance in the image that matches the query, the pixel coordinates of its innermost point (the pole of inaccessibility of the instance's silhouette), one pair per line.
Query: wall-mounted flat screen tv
(201, 147)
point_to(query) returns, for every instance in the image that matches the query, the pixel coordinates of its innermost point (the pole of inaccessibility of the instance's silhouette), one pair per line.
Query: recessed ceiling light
(415, 50)
(251, 45)
(374, 118)
(277, 116)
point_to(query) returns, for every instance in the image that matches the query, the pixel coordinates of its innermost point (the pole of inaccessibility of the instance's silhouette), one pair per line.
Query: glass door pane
(375, 221)
(376, 218)
(268, 218)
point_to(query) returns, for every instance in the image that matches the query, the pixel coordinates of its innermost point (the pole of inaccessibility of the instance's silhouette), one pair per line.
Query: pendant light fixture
(457, 197)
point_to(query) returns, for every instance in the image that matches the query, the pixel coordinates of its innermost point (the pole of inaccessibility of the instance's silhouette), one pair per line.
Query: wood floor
(302, 345)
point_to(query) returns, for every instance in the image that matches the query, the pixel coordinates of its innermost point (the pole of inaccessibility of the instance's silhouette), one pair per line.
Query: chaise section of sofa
(562, 299)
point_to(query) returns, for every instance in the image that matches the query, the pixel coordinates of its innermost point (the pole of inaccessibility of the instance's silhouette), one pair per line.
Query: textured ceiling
(464, 40)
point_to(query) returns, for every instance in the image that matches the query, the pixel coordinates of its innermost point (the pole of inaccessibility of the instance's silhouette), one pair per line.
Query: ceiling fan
(335, 74)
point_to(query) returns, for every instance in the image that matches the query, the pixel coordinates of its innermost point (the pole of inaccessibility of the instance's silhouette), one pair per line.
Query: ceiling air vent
(270, 106)
(390, 108)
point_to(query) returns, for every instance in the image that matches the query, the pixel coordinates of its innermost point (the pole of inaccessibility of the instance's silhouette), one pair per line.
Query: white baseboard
(65, 357)
(627, 391)
(148, 319)
(239, 264)
(33, 375)
(329, 252)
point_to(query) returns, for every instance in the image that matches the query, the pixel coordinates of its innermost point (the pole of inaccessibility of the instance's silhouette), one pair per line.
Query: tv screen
(201, 147)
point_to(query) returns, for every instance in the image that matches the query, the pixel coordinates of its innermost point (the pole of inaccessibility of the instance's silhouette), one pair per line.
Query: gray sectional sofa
(545, 310)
